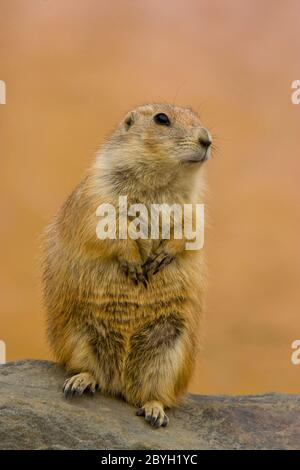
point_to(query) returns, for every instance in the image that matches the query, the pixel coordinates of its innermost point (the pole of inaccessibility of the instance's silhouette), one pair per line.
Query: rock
(35, 415)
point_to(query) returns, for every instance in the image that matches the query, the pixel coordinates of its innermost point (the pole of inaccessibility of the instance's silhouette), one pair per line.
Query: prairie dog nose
(204, 138)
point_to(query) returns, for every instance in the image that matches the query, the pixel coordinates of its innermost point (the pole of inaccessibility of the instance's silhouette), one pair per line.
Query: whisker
(179, 88)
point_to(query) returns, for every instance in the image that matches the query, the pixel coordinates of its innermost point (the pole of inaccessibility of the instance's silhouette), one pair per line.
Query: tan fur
(134, 341)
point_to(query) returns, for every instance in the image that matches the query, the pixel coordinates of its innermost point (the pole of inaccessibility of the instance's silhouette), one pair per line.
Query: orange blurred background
(73, 68)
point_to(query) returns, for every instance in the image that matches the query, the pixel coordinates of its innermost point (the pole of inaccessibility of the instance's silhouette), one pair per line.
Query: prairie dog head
(155, 144)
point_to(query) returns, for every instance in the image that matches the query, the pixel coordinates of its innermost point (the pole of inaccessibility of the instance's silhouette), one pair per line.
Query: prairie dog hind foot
(154, 414)
(78, 384)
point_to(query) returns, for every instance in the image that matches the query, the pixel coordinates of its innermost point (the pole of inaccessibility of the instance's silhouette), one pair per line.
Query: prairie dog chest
(116, 304)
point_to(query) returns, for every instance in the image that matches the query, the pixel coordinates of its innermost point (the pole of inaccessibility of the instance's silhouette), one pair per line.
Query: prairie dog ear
(129, 120)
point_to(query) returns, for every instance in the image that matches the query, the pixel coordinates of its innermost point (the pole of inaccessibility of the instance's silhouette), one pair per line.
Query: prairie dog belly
(111, 318)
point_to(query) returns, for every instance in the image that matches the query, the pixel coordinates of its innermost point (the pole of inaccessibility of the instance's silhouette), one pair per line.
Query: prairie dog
(123, 315)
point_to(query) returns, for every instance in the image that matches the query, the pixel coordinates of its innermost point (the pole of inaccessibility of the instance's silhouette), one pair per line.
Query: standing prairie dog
(123, 314)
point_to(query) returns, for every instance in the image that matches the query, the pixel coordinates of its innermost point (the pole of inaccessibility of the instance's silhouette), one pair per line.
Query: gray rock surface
(35, 415)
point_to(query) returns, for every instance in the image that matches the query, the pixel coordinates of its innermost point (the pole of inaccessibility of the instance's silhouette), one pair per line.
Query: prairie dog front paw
(130, 262)
(135, 272)
(157, 261)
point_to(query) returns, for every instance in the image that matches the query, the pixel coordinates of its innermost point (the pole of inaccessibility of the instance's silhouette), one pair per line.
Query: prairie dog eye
(162, 119)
